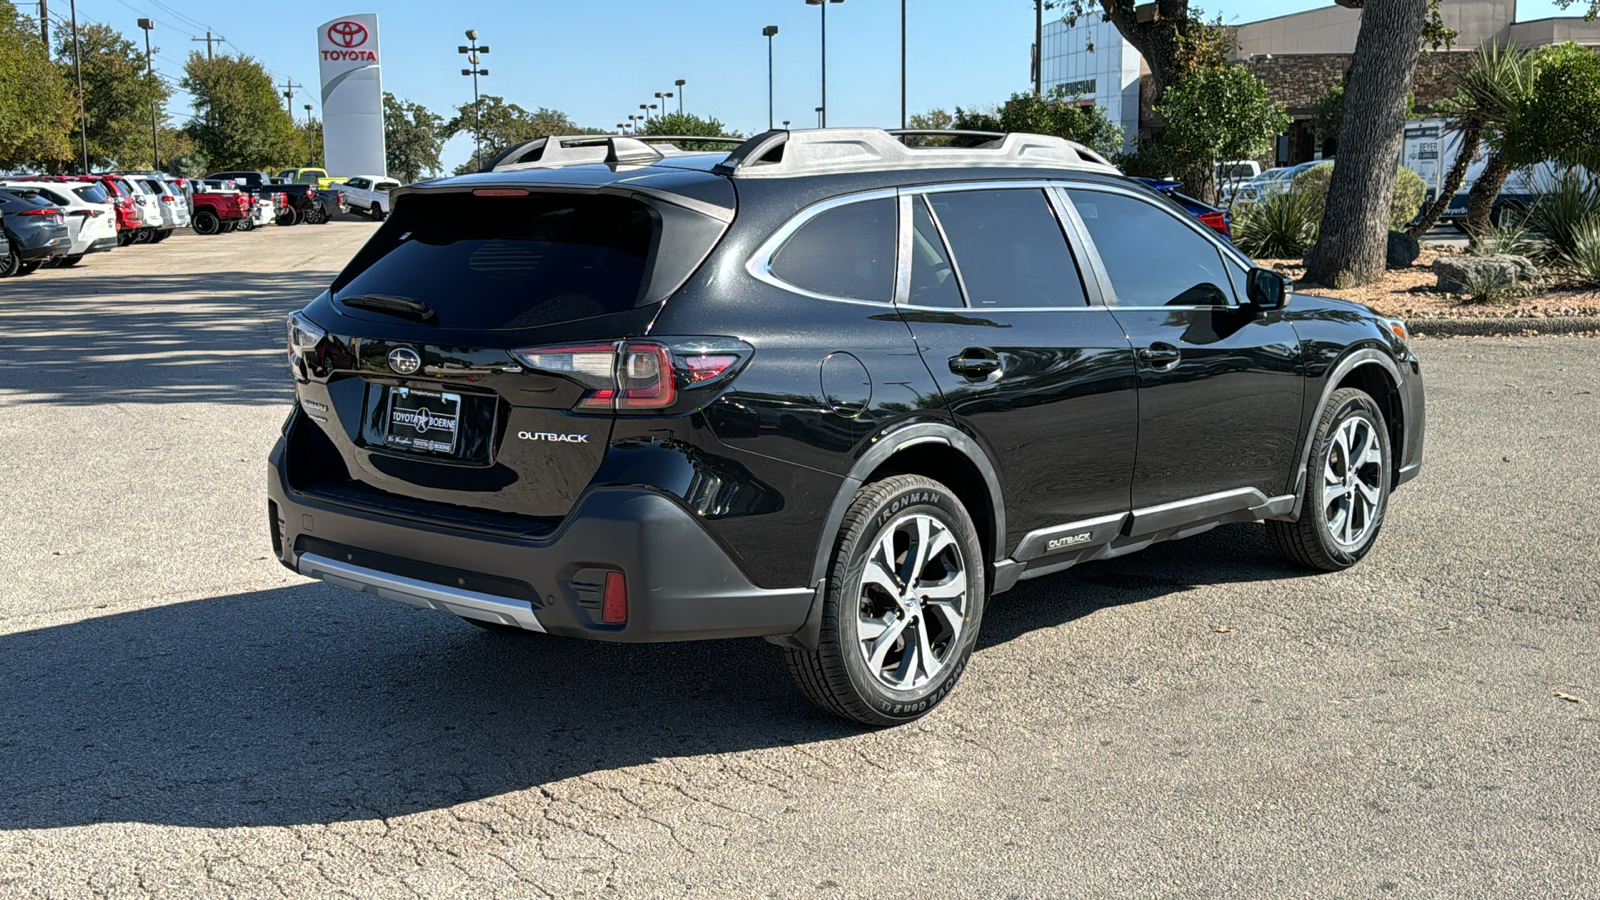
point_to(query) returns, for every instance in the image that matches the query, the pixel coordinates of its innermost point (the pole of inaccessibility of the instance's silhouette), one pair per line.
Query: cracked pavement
(182, 717)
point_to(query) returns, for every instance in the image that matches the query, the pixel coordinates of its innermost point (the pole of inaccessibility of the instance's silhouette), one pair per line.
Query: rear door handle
(977, 364)
(1160, 355)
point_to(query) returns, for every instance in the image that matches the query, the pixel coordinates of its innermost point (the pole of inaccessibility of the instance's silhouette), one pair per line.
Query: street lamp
(308, 126)
(77, 65)
(155, 148)
(769, 32)
(679, 85)
(823, 109)
(785, 124)
(472, 51)
(663, 97)
(646, 108)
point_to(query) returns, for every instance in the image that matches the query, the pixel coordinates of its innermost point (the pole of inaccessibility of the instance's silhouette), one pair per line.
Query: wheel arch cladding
(1378, 383)
(953, 469)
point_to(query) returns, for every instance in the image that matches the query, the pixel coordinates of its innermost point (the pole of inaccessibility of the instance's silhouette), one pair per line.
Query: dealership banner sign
(352, 96)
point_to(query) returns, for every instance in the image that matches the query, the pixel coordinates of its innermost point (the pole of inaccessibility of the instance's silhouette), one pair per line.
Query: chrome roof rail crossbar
(780, 154)
(586, 149)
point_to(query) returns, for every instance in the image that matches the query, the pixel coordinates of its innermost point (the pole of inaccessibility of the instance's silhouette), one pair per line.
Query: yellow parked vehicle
(318, 177)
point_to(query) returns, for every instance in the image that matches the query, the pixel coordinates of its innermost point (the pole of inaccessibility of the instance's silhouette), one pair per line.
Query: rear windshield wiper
(392, 305)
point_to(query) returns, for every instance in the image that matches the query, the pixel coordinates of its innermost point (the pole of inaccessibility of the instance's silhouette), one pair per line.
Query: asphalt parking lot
(180, 716)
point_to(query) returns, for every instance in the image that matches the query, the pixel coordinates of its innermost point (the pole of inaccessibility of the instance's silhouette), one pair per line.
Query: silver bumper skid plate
(467, 604)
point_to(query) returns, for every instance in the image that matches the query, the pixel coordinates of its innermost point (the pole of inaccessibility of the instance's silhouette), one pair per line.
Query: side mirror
(1267, 289)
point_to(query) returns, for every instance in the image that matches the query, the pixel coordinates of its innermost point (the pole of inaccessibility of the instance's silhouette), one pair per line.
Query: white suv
(91, 219)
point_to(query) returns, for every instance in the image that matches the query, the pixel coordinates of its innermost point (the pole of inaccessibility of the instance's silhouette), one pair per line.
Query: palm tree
(1485, 104)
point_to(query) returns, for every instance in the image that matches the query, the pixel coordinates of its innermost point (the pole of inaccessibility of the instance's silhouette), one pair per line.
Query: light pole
(679, 85)
(1038, 48)
(155, 148)
(769, 31)
(663, 97)
(77, 64)
(785, 124)
(822, 118)
(472, 51)
(324, 160)
(902, 63)
(646, 108)
(621, 128)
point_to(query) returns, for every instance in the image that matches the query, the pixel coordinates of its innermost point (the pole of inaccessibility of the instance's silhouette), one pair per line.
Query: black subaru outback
(831, 388)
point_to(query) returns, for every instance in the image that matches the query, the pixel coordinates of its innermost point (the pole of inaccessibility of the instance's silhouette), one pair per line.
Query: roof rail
(779, 154)
(585, 149)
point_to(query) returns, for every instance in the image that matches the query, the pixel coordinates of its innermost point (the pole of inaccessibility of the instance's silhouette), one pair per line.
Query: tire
(124, 238)
(316, 215)
(160, 236)
(28, 268)
(378, 214)
(287, 216)
(881, 530)
(248, 223)
(230, 226)
(13, 263)
(206, 222)
(144, 235)
(1328, 541)
(68, 262)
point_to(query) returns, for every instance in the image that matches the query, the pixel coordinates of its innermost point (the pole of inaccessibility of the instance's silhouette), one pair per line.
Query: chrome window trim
(759, 265)
(1188, 221)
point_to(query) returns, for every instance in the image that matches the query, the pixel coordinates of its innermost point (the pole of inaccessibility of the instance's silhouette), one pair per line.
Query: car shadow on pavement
(309, 704)
(150, 338)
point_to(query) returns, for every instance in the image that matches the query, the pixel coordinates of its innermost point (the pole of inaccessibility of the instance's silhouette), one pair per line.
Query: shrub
(1409, 192)
(1487, 289)
(1582, 259)
(1559, 213)
(1283, 226)
(1513, 238)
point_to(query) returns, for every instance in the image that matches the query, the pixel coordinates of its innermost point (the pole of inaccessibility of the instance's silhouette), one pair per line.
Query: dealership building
(1300, 56)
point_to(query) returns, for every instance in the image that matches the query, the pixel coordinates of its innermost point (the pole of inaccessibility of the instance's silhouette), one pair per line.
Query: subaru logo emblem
(404, 360)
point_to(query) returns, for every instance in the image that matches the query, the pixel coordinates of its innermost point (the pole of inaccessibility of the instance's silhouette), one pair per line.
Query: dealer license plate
(423, 421)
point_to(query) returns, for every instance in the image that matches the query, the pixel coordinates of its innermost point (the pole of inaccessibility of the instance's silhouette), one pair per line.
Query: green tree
(1487, 96)
(238, 121)
(1213, 115)
(414, 136)
(1057, 114)
(1560, 120)
(689, 123)
(37, 112)
(932, 120)
(1590, 14)
(118, 92)
(309, 152)
(500, 125)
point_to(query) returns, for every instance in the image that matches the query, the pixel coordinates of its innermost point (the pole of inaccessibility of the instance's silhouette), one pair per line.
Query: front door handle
(1160, 355)
(977, 364)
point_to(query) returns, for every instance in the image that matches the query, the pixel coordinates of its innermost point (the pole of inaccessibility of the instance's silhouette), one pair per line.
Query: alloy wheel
(913, 602)
(1352, 479)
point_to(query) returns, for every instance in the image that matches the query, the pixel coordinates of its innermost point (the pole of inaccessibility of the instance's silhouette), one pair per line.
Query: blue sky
(598, 60)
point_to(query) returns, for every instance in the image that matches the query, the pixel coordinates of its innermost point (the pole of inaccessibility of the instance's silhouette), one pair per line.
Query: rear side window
(1009, 249)
(92, 193)
(1152, 258)
(508, 262)
(847, 251)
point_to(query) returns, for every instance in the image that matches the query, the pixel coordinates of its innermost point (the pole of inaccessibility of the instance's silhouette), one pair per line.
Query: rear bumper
(681, 584)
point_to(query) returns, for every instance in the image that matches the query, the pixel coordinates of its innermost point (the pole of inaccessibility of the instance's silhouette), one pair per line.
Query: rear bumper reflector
(467, 604)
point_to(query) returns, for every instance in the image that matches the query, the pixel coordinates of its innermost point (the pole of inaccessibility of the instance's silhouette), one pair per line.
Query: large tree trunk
(1480, 202)
(1201, 182)
(1355, 222)
(1471, 139)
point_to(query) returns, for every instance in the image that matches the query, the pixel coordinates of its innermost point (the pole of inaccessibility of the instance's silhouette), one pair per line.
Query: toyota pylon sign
(352, 96)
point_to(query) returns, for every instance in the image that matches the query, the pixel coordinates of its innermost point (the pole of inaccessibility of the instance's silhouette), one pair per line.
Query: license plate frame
(421, 421)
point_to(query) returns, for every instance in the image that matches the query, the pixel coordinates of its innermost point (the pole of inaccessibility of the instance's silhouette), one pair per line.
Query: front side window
(357, 183)
(1151, 257)
(1009, 248)
(846, 252)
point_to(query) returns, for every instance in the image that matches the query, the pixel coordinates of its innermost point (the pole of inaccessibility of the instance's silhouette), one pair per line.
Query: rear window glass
(847, 251)
(508, 262)
(92, 193)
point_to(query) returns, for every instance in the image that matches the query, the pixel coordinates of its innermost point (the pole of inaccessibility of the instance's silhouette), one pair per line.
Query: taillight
(304, 336)
(1216, 221)
(636, 376)
(37, 212)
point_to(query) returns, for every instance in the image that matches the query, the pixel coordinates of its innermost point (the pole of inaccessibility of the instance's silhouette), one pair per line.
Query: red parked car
(219, 211)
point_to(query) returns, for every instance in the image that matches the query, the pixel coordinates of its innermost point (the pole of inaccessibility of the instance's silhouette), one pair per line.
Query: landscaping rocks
(1403, 250)
(1455, 273)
